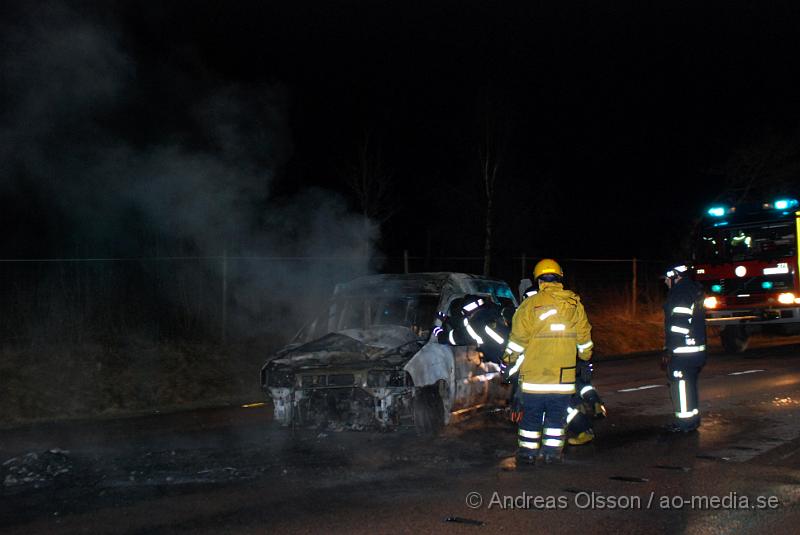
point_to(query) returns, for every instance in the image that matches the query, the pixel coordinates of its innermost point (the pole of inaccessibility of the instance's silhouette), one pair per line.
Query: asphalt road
(231, 471)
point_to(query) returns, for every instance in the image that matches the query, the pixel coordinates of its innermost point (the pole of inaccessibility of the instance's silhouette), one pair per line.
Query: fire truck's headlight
(710, 302)
(786, 299)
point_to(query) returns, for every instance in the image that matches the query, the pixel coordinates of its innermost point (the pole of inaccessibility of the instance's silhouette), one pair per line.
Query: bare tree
(489, 166)
(371, 184)
(489, 152)
(768, 166)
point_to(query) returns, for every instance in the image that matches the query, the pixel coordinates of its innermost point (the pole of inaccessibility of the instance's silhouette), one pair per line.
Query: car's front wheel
(428, 409)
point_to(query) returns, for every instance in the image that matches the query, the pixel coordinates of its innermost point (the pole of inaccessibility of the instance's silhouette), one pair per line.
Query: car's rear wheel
(428, 410)
(734, 338)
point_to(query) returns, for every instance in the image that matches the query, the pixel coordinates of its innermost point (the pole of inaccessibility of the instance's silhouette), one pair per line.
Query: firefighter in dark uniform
(451, 329)
(585, 406)
(685, 341)
(546, 331)
(477, 320)
(489, 328)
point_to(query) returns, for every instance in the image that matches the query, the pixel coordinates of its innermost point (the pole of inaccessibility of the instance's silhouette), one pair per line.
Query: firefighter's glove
(600, 410)
(516, 408)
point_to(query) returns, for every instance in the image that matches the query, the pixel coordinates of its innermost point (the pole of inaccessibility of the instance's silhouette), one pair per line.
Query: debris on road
(35, 468)
(710, 457)
(630, 479)
(671, 467)
(461, 520)
(573, 490)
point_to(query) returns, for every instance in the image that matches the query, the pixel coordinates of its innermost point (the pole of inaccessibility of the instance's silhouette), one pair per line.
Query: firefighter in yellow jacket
(547, 331)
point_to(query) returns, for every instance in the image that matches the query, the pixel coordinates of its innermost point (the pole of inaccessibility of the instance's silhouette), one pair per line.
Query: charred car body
(370, 359)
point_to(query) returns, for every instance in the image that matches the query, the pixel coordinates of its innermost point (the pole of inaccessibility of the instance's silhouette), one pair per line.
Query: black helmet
(454, 309)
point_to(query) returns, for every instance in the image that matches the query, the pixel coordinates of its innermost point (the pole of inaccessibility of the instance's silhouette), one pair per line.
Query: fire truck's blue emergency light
(785, 204)
(716, 288)
(767, 285)
(716, 211)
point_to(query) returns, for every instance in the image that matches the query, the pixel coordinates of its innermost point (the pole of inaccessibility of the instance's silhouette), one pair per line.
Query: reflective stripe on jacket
(549, 327)
(685, 320)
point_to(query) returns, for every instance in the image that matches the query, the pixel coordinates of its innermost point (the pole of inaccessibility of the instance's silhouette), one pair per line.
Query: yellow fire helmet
(547, 266)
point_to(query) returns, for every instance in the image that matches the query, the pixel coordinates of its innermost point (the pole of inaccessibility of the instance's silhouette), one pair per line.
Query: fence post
(633, 289)
(428, 251)
(224, 296)
(405, 260)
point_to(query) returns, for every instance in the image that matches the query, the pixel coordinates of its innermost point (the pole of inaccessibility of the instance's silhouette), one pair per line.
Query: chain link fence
(627, 285)
(224, 299)
(201, 299)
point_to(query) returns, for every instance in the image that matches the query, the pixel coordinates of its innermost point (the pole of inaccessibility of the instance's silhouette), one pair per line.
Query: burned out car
(370, 358)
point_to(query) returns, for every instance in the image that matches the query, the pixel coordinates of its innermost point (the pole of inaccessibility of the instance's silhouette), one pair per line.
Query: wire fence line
(167, 258)
(630, 282)
(230, 298)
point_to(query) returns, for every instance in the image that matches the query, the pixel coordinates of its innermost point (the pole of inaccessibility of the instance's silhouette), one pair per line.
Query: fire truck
(746, 258)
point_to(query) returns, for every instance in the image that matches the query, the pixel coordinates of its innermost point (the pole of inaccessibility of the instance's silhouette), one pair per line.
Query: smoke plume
(114, 153)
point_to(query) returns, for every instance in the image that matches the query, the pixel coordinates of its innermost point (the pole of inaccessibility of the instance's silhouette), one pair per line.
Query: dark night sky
(617, 120)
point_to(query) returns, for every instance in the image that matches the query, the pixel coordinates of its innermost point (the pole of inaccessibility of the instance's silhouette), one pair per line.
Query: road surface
(230, 471)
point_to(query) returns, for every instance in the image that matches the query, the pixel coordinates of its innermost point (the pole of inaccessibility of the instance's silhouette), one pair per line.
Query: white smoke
(74, 101)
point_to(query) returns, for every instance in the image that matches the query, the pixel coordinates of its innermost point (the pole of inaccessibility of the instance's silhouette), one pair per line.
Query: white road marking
(746, 371)
(645, 387)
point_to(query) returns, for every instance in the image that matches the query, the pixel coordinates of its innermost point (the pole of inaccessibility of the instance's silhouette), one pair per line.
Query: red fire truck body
(746, 258)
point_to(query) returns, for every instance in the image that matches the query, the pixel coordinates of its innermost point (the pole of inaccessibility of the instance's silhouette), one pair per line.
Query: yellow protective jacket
(548, 330)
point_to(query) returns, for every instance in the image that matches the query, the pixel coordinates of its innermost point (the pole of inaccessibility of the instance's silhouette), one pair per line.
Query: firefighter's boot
(525, 458)
(583, 438)
(553, 458)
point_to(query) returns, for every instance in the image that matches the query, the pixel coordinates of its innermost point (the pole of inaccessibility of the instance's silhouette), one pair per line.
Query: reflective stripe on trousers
(577, 422)
(543, 421)
(528, 439)
(685, 399)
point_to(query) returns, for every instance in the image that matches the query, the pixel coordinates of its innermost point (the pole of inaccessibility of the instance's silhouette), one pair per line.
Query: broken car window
(362, 312)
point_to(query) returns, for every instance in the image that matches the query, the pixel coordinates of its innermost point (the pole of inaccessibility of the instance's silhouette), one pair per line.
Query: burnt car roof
(406, 283)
